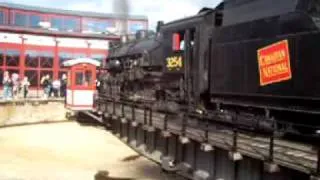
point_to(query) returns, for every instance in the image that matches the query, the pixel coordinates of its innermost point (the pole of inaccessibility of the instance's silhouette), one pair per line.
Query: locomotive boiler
(256, 60)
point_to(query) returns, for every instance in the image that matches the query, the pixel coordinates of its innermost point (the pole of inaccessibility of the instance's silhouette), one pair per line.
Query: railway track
(293, 155)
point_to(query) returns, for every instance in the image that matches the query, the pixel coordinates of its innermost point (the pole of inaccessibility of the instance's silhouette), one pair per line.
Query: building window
(13, 71)
(31, 59)
(98, 57)
(79, 55)
(134, 27)
(1, 76)
(97, 26)
(1, 57)
(12, 57)
(65, 24)
(71, 25)
(63, 56)
(2, 17)
(44, 73)
(20, 19)
(46, 60)
(35, 20)
(32, 77)
(61, 73)
(57, 23)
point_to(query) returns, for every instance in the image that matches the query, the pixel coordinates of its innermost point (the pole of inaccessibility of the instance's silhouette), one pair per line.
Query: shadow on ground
(104, 175)
(146, 171)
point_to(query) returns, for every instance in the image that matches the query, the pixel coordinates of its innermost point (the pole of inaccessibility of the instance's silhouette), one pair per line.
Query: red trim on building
(22, 59)
(54, 69)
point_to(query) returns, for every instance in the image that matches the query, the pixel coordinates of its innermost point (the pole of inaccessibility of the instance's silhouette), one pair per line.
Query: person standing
(15, 85)
(46, 85)
(25, 86)
(56, 87)
(7, 84)
(63, 85)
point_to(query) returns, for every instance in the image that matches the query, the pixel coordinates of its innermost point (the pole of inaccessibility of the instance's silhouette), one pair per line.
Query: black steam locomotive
(255, 59)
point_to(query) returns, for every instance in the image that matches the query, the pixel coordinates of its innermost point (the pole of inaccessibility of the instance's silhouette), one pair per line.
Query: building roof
(72, 62)
(70, 12)
(10, 29)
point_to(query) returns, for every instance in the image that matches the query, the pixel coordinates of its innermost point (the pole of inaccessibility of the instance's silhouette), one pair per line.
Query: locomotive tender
(257, 59)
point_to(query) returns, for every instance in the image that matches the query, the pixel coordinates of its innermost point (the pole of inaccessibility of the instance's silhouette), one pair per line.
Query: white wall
(39, 40)
(10, 38)
(51, 41)
(83, 97)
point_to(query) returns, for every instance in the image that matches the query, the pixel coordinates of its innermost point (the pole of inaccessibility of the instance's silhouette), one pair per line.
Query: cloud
(155, 10)
(166, 10)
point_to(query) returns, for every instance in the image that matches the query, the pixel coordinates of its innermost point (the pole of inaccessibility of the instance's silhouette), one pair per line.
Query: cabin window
(88, 78)
(84, 79)
(79, 79)
(178, 41)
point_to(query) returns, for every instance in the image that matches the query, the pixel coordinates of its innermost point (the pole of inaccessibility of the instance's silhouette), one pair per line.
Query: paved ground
(68, 151)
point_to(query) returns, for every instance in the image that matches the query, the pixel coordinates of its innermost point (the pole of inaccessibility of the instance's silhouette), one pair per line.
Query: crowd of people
(54, 88)
(15, 87)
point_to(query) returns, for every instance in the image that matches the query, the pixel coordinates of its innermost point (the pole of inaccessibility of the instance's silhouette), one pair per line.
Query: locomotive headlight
(114, 64)
(135, 63)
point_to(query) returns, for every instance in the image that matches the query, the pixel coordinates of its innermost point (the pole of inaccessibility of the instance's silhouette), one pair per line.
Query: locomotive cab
(81, 86)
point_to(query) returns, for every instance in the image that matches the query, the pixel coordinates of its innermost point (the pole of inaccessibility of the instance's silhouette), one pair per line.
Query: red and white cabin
(81, 86)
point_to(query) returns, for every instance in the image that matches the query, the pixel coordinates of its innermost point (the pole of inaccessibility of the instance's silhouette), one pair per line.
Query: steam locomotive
(253, 59)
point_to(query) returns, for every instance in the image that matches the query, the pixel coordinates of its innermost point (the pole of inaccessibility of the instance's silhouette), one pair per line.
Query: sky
(166, 10)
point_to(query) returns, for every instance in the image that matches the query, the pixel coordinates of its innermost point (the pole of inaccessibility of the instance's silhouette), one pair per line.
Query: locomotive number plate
(174, 63)
(274, 63)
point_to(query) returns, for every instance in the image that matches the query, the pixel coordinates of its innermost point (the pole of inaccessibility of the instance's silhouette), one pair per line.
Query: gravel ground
(68, 151)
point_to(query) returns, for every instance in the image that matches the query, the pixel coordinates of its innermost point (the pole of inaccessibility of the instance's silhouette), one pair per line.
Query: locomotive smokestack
(121, 7)
(124, 38)
(141, 34)
(159, 24)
